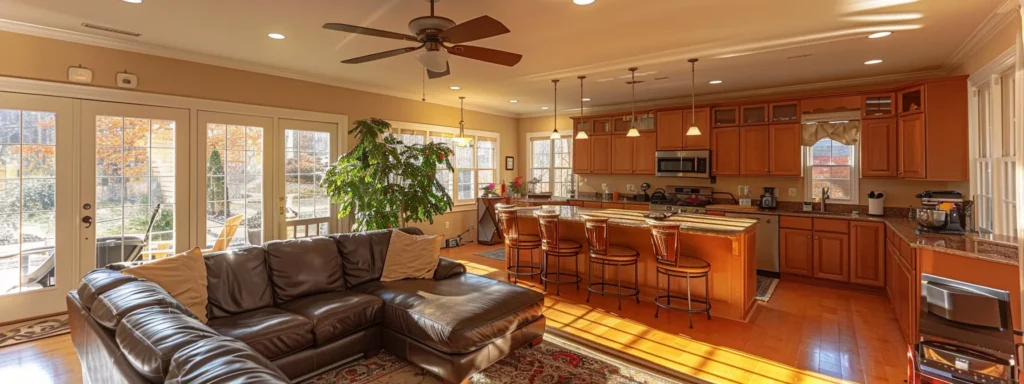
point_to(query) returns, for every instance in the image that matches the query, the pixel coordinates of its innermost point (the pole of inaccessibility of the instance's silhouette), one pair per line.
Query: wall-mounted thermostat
(127, 80)
(79, 75)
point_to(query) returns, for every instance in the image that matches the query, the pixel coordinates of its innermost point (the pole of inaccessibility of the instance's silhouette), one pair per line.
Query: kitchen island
(728, 244)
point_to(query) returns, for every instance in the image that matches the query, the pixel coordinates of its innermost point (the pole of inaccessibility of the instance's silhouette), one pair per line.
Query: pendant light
(633, 132)
(554, 134)
(461, 140)
(694, 129)
(581, 135)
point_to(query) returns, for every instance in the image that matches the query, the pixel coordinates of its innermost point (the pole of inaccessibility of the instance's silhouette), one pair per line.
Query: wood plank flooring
(806, 334)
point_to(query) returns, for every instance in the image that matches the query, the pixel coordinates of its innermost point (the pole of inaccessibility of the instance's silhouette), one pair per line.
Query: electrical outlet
(792, 191)
(447, 225)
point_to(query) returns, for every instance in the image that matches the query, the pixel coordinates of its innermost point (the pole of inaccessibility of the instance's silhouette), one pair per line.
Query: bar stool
(606, 255)
(554, 246)
(665, 238)
(508, 223)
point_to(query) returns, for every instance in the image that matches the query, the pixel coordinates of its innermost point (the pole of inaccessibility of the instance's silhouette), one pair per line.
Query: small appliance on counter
(643, 196)
(745, 199)
(769, 200)
(658, 195)
(682, 199)
(966, 333)
(944, 212)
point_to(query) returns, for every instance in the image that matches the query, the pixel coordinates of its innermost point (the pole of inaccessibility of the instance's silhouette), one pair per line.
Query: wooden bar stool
(554, 246)
(606, 255)
(508, 222)
(665, 238)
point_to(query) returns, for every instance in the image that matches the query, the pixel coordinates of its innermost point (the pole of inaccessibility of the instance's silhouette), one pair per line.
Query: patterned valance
(843, 127)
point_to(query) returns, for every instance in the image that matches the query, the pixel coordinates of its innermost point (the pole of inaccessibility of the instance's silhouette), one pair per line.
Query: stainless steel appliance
(695, 164)
(769, 200)
(966, 333)
(682, 199)
(944, 212)
(767, 240)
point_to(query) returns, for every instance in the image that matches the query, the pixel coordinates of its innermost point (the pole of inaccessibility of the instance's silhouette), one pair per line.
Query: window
(993, 151)
(475, 165)
(307, 156)
(832, 165)
(234, 184)
(551, 163)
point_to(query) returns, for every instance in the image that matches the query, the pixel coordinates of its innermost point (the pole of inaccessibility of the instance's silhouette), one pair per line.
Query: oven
(695, 164)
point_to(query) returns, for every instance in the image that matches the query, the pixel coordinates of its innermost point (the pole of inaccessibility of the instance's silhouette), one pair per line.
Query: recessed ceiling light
(545, 108)
(583, 2)
(455, 87)
(715, 82)
(276, 36)
(586, 99)
(133, 1)
(879, 35)
(871, 62)
(513, 101)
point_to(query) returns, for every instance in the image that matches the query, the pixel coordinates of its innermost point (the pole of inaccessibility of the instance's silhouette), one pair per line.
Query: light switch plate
(792, 191)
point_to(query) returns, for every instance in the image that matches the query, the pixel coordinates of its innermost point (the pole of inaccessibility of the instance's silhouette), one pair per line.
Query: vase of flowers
(488, 190)
(517, 187)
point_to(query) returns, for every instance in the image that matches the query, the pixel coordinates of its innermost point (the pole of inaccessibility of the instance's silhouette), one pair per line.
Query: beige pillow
(411, 256)
(182, 275)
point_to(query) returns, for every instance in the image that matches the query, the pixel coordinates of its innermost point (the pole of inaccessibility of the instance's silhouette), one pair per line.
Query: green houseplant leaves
(385, 183)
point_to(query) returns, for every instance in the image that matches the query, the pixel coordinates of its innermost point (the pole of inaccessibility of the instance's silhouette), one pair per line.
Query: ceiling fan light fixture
(436, 61)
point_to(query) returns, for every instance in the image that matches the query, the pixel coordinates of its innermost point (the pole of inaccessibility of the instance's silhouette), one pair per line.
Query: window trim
(990, 77)
(463, 204)
(533, 136)
(854, 175)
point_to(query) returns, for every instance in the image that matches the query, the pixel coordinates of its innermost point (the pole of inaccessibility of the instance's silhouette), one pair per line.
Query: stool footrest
(662, 301)
(558, 278)
(630, 291)
(517, 270)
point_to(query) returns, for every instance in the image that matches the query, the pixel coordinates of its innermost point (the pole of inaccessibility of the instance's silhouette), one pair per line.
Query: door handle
(88, 221)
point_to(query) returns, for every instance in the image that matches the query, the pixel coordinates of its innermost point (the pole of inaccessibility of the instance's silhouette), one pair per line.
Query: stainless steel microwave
(683, 164)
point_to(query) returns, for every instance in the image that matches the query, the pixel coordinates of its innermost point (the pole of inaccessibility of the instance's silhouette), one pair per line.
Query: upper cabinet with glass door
(787, 112)
(724, 117)
(754, 114)
(878, 106)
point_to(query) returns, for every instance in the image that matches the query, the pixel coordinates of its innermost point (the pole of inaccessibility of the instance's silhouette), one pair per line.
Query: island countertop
(691, 224)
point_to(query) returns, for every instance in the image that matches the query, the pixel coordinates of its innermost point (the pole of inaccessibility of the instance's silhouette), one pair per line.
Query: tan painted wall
(44, 59)
(1002, 40)
(899, 193)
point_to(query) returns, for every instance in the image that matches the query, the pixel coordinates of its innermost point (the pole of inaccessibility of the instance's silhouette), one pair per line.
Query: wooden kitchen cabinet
(581, 155)
(912, 158)
(890, 269)
(903, 302)
(600, 159)
(612, 205)
(637, 206)
(601, 126)
(796, 252)
(576, 203)
(786, 152)
(592, 204)
(867, 253)
(622, 154)
(754, 114)
(725, 117)
(702, 118)
(878, 148)
(755, 151)
(831, 256)
(643, 153)
(670, 130)
(878, 106)
(911, 101)
(785, 112)
(946, 121)
(725, 151)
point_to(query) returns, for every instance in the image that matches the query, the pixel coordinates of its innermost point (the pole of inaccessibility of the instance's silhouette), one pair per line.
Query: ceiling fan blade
(495, 56)
(380, 55)
(437, 75)
(370, 32)
(476, 29)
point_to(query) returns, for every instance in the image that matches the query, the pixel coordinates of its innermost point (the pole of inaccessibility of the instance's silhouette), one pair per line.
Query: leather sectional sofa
(289, 309)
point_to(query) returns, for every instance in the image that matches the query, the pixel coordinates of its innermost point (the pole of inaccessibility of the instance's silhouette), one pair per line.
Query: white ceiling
(750, 44)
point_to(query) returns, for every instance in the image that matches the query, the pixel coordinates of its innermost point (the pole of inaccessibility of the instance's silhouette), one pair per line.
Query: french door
(304, 210)
(134, 167)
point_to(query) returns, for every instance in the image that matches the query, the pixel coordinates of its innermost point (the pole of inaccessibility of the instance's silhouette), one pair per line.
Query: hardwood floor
(805, 334)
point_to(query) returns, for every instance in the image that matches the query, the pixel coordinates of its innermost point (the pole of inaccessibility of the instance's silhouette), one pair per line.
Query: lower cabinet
(832, 256)
(903, 300)
(796, 252)
(867, 253)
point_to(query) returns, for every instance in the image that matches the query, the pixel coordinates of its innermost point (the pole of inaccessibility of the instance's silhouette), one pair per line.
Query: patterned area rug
(766, 287)
(554, 361)
(496, 254)
(33, 330)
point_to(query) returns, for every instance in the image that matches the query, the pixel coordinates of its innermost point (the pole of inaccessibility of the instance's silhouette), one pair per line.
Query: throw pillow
(411, 256)
(182, 275)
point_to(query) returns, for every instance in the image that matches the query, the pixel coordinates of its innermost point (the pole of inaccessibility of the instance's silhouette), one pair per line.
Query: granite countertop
(995, 248)
(691, 224)
(580, 198)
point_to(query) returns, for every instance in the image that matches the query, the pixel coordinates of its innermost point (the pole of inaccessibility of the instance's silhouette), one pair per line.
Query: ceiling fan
(436, 34)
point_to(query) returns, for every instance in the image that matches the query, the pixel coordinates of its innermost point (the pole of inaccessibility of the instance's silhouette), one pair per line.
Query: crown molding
(999, 18)
(173, 53)
(740, 95)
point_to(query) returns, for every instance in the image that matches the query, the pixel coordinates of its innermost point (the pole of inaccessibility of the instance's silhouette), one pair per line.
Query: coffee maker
(769, 200)
(944, 212)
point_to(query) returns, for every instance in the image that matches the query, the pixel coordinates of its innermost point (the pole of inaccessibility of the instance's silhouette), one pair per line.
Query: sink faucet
(824, 197)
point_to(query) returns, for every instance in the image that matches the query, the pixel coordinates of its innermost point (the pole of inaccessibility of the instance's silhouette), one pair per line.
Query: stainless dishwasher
(767, 240)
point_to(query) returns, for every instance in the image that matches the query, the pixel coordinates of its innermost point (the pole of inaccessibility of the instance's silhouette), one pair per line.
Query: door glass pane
(28, 191)
(134, 188)
(307, 156)
(234, 186)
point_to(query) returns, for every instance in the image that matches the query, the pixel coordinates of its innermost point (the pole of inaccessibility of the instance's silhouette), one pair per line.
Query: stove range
(682, 199)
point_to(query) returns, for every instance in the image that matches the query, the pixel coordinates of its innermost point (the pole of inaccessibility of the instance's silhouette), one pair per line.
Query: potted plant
(254, 228)
(516, 187)
(385, 183)
(489, 190)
